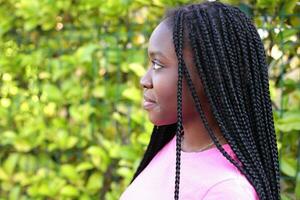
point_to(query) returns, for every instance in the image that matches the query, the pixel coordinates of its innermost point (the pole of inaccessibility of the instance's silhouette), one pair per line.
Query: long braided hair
(230, 61)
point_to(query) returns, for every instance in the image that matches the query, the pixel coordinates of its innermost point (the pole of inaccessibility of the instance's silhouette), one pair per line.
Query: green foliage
(71, 121)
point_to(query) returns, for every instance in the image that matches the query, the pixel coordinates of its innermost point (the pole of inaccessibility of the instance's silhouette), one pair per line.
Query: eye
(154, 63)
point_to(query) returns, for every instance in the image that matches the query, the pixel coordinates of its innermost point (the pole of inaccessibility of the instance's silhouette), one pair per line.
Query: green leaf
(143, 138)
(297, 188)
(81, 112)
(124, 171)
(69, 191)
(55, 184)
(14, 194)
(84, 166)
(137, 68)
(288, 7)
(71, 142)
(43, 189)
(51, 92)
(64, 140)
(69, 171)
(265, 3)
(94, 182)
(10, 163)
(84, 53)
(290, 121)
(288, 166)
(3, 175)
(99, 91)
(132, 94)
(284, 197)
(72, 90)
(27, 163)
(114, 151)
(128, 153)
(95, 151)
(99, 157)
(8, 137)
(285, 34)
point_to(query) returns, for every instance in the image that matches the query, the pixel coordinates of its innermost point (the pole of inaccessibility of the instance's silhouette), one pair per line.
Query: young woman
(207, 94)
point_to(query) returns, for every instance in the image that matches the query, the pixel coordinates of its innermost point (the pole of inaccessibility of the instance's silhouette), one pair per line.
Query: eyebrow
(158, 53)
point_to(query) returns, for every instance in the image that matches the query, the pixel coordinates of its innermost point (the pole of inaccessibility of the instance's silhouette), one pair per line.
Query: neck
(197, 137)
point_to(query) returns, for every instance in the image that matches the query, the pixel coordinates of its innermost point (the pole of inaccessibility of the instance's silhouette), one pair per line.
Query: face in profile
(160, 80)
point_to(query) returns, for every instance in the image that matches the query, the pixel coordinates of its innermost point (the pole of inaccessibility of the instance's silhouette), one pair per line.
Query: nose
(146, 80)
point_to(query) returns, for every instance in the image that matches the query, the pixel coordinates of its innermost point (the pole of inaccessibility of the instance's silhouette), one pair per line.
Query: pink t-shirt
(206, 175)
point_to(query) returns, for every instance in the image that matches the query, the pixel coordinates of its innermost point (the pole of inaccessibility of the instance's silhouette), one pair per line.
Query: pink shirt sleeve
(230, 189)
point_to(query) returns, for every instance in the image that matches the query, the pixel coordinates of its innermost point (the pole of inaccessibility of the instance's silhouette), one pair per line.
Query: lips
(149, 99)
(148, 103)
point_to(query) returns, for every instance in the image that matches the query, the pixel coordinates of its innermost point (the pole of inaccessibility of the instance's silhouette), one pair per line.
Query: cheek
(165, 88)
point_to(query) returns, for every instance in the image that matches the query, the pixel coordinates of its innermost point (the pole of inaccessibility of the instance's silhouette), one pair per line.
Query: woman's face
(160, 80)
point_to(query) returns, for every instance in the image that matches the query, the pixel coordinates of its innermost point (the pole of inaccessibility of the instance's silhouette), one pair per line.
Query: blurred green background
(71, 119)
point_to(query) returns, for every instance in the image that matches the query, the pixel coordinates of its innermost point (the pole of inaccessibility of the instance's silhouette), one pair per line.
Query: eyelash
(155, 63)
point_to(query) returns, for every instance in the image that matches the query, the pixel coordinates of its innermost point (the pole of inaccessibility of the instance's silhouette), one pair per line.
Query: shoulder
(231, 189)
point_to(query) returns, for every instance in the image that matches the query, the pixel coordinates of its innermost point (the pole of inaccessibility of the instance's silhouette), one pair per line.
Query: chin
(161, 122)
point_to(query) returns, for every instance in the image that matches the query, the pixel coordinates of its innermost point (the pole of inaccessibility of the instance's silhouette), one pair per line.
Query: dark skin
(160, 83)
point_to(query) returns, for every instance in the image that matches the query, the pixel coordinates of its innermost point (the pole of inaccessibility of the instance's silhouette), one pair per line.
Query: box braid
(267, 158)
(230, 60)
(178, 43)
(267, 107)
(197, 104)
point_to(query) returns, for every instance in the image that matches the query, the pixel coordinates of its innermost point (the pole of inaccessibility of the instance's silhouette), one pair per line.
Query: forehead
(161, 40)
